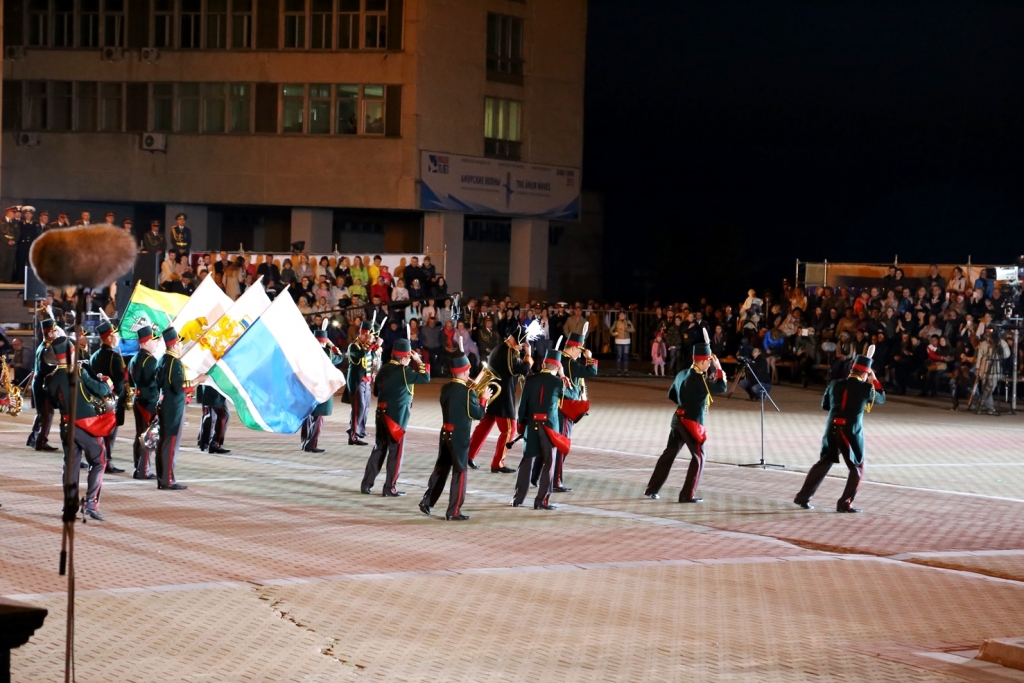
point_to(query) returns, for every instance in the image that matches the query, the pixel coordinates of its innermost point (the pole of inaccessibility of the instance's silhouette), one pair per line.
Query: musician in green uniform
(170, 377)
(539, 424)
(395, 387)
(109, 362)
(691, 391)
(846, 401)
(90, 426)
(142, 371)
(38, 438)
(314, 421)
(575, 402)
(214, 424)
(360, 363)
(460, 405)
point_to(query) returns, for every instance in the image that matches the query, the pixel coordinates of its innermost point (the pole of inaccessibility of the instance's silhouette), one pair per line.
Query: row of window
(313, 109)
(205, 24)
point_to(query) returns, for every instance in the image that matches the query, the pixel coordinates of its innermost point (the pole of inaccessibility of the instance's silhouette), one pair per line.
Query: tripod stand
(764, 394)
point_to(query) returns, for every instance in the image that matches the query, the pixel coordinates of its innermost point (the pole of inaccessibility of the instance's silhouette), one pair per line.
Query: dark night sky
(742, 136)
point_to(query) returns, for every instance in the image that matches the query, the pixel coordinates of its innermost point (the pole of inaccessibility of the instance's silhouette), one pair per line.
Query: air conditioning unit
(14, 52)
(150, 55)
(29, 140)
(153, 142)
(113, 54)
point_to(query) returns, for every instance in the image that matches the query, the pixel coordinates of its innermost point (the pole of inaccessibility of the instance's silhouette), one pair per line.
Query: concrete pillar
(314, 227)
(442, 241)
(259, 237)
(198, 217)
(528, 260)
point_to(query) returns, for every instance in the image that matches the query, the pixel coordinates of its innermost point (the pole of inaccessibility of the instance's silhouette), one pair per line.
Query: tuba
(485, 379)
(12, 403)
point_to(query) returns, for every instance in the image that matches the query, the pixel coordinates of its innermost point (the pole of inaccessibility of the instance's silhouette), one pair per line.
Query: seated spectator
(169, 267)
(321, 305)
(957, 282)
(760, 367)
(22, 361)
(381, 290)
(440, 288)
(487, 337)
(386, 274)
(323, 289)
(340, 296)
(303, 269)
(428, 310)
(470, 347)
(288, 272)
(432, 341)
(414, 311)
(400, 293)
(389, 335)
(357, 289)
(304, 306)
(719, 342)
(774, 346)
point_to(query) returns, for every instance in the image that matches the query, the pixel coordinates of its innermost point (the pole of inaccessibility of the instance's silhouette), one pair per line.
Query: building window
(348, 24)
(293, 96)
(502, 134)
(320, 108)
(373, 110)
(295, 23)
(241, 106)
(241, 23)
(163, 23)
(189, 23)
(347, 110)
(163, 107)
(504, 47)
(322, 25)
(111, 104)
(113, 23)
(34, 115)
(88, 103)
(39, 23)
(375, 18)
(64, 23)
(216, 24)
(214, 107)
(189, 106)
(89, 23)
(60, 105)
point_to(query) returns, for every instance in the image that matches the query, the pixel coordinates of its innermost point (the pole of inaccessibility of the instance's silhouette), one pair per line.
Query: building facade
(275, 121)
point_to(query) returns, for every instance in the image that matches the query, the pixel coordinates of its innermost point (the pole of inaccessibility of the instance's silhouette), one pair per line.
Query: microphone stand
(764, 394)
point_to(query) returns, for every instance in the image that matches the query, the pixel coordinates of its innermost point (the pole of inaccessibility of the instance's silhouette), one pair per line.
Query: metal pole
(796, 275)
(824, 277)
(1013, 401)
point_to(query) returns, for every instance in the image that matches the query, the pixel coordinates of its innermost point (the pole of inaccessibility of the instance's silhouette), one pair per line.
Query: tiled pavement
(272, 567)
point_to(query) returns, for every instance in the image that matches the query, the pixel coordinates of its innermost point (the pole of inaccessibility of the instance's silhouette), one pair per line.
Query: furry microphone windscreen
(91, 257)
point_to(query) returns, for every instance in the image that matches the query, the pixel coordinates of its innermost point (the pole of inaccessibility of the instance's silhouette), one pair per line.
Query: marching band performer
(360, 363)
(215, 420)
(90, 428)
(395, 387)
(315, 420)
(508, 361)
(691, 391)
(174, 387)
(38, 438)
(109, 362)
(142, 370)
(539, 425)
(460, 405)
(846, 401)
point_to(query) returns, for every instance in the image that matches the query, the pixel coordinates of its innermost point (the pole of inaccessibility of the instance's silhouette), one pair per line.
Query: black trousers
(547, 471)
(141, 455)
(170, 441)
(92, 448)
(817, 473)
(108, 445)
(456, 464)
(384, 448)
(677, 438)
(212, 427)
(538, 465)
(40, 434)
(311, 431)
(360, 395)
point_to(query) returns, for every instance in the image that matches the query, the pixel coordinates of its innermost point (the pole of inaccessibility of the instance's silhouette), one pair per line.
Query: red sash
(98, 425)
(574, 410)
(397, 433)
(696, 429)
(560, 442)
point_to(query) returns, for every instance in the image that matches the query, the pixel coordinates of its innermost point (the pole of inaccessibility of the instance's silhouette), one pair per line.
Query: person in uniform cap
(395, 386)
(170, 377)
(28, 231)
(129, 227)
(109, 218)
(181, 235)
(509, 362)
(460, 405)
(574, 403)
(143, 371)
(44, 221)
(846, 401)
(539, 425)
(314, 421)
(214, 424)
(9, 228)
(691, 391)
(62, 222)
(153, 241)
(109, 362)
(89, 428)
(39, 437)
(360, 362)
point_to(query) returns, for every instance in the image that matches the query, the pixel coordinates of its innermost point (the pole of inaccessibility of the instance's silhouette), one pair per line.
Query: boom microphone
(90, 257)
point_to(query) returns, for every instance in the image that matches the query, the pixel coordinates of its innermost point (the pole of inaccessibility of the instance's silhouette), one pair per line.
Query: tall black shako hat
(170, 335)
(862, 364)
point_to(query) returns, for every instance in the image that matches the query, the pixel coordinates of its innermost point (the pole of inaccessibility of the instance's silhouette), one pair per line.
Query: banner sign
(449, 182)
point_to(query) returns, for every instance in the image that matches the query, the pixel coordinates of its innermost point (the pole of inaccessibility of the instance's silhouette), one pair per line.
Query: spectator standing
(622, 331)
(658, 354)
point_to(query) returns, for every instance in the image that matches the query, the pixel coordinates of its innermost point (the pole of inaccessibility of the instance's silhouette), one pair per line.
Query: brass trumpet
(485, 379)
(13, 404)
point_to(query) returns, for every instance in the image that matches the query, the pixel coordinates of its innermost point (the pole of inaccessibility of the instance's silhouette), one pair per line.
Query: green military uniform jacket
(170, 377)
(459, 407)
(395, 386)
(57, 387)
(107, 361)
(42, 369)
(690, 391)
(576, 372)
(846, 400)
(327, 407)
(142, 370)
(542, 394)
(360, 360)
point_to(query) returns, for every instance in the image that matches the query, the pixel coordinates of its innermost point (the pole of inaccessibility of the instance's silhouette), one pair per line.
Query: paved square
(273, 567)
